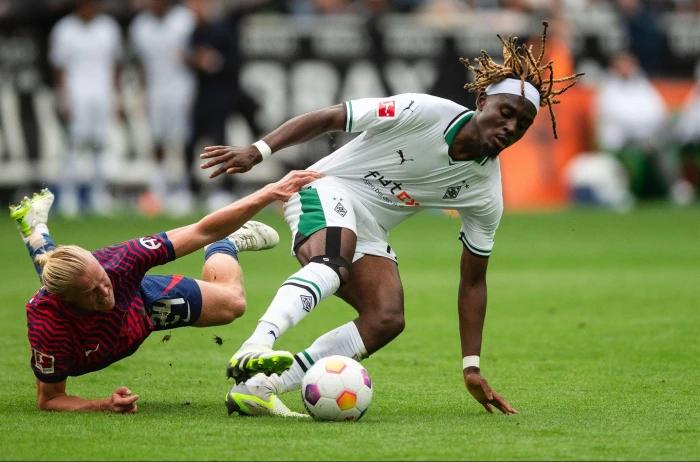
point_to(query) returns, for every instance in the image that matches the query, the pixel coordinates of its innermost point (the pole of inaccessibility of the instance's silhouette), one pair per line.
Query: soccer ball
(336, 388)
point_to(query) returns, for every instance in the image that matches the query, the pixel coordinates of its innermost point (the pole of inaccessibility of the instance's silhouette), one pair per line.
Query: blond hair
(61, 267)
(520, 63)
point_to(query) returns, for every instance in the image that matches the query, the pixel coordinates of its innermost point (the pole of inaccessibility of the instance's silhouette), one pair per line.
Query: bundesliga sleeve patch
(386, 109)
(42, 362)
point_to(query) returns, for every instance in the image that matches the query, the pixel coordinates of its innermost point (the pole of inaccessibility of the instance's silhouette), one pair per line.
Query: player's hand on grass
(482, 392)
(230, 159)
(291, 183)
(123, 401)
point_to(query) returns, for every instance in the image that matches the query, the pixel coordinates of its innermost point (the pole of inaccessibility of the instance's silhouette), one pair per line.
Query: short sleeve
(379, 114)
(479, 227)
(115, 39)
(135, 36)
(58, 48)
(50, 344)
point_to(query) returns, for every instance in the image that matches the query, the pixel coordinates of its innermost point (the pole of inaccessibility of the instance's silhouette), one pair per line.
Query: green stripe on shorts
(312, 217)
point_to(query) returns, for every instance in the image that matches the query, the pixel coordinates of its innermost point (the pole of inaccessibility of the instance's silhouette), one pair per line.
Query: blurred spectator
(215, 58)
(631, 116)
(647, 41)
(687, 129)
(84, 49)
(599, 179)
(160, 37)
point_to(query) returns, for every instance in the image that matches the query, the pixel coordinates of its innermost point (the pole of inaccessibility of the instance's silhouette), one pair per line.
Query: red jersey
(66, 341)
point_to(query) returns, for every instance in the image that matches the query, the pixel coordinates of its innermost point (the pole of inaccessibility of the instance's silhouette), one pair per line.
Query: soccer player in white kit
(84, 49)
(160, 37)
(415, 152)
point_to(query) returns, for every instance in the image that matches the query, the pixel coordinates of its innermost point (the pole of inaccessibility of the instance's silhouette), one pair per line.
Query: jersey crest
(150, 243)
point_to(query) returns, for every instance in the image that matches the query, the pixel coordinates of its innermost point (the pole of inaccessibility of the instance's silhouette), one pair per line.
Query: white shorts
(168, 114)
(91, 117)
(327, 203)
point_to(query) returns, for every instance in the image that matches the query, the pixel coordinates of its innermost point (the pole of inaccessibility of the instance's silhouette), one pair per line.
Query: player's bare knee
(234, 307)
(393, 325)
(388, 321)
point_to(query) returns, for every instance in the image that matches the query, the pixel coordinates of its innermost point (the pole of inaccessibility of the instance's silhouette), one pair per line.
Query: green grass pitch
(591, 332)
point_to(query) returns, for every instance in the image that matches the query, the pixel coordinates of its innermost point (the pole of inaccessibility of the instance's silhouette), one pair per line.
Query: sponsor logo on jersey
(395, 188)
(42, 362)
(150, 243)
(386, 109)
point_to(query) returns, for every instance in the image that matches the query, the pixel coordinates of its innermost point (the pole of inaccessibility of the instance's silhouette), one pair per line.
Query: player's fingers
(122, 391)
(215, 160)
(487, 406)
(503, 405)
(218, 172)
(214, 148)
(219, 151)
(125, 401)
(304, 178)
(487, 391)
(234, 170)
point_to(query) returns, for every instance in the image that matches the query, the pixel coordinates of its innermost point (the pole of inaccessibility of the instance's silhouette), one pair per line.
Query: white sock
(297, 296)
(344, 340)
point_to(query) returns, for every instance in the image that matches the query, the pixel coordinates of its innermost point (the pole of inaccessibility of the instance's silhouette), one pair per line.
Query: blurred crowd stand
(162, 78)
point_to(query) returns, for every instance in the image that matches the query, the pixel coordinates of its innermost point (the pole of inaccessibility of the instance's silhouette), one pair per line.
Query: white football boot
(257, 397)
(31, 212)
(254, 235)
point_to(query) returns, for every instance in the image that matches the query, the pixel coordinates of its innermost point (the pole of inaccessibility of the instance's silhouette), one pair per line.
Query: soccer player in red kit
(95, 308)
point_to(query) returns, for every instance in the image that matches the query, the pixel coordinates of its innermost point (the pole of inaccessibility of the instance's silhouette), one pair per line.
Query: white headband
(512, 86)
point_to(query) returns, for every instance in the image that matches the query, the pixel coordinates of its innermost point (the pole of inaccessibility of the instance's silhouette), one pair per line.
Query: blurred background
(109, 102)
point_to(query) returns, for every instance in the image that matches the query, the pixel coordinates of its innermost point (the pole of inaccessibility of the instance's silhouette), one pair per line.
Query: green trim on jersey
(312, 217)
(348, 116)
(453, 129)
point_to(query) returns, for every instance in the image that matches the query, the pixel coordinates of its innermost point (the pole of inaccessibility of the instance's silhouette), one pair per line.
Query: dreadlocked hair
(519, 62)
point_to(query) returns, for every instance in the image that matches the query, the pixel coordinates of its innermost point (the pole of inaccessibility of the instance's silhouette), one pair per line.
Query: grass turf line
(591, 333)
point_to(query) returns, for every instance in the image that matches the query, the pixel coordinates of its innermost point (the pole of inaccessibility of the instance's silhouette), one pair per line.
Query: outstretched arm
(224, 221)
(472, 311)
(53, 397)
(297, 130)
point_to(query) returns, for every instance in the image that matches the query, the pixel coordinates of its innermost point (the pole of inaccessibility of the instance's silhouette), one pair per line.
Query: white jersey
(87, 53)
(161, 44)
(400, 165)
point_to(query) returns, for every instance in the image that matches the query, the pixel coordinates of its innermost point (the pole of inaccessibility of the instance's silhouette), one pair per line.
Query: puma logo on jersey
(88, 351)
(402, 158)
(408, 108)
